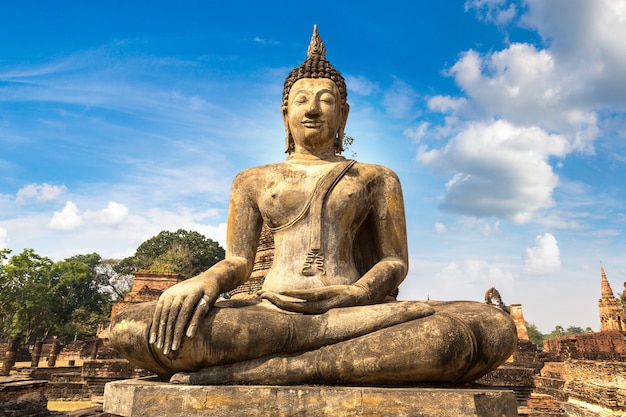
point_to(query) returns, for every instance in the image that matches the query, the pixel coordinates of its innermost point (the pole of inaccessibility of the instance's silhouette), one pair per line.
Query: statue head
(316, 66)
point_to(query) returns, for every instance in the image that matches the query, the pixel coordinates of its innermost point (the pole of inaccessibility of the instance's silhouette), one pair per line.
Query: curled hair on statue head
(316, 66)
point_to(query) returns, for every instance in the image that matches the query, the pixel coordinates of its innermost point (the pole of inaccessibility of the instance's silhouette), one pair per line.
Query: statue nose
(314, 108)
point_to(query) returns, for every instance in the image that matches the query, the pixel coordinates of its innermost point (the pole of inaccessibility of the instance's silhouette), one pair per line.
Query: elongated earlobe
(289, 144)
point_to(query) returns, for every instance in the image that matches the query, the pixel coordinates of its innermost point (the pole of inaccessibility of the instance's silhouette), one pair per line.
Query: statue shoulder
(256, 174)
(379, 172)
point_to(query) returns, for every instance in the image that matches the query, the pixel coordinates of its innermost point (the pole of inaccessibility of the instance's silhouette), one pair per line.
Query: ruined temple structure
(612, 312)
(147, 286)
(582, 375)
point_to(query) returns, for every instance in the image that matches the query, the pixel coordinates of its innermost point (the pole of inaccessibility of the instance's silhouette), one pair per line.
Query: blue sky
(505, 120)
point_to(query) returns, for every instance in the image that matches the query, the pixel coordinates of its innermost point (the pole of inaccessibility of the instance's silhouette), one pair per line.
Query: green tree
(535, 335)
(187, 252)
(37, 296)
(571, 330)
(26, 283)
(574, 330)
(79, 299)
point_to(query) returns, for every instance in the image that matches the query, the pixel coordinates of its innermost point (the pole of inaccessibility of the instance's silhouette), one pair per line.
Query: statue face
(314, 113)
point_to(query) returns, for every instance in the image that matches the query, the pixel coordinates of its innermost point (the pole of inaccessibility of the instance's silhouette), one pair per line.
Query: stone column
(515, 310)
(36, 354)
(10, 357)
(94, 349)
(56, 348)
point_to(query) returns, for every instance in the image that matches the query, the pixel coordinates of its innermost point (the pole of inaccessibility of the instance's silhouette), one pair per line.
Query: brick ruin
(147, 286)
(581, 375)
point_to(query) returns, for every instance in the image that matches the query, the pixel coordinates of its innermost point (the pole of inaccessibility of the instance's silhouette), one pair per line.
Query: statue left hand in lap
(340, 248)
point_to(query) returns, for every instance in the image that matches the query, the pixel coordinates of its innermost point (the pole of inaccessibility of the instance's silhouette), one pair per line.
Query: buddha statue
(321, 316)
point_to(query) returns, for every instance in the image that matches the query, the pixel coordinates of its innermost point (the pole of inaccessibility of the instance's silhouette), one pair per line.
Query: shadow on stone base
(148, 398)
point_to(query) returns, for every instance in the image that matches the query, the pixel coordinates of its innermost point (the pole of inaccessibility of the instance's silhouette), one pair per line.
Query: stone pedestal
(147, 398)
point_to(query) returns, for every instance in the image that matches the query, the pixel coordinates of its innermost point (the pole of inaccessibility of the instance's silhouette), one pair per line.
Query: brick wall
(600, 346)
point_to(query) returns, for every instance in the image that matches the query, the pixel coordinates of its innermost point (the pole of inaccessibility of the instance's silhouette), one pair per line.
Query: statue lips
(312, 124)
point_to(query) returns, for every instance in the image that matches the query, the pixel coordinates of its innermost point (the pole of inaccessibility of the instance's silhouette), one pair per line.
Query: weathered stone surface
(601, 346)
(22, 398)
(142, 398)
(340, 249)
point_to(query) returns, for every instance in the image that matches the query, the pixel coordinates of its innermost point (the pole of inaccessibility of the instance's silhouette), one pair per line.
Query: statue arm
(181, 308)
(389, 226)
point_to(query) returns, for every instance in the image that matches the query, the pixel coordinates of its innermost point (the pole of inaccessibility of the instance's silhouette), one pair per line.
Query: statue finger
(183, 318)
(299, 306)
(315, 294)
(165, 311)
(200, 310)
(172, 318)
(156, 317)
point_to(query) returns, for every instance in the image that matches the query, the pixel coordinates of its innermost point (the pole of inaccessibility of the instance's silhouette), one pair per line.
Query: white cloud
(3, 238)
(473, 276)
(360, 85)
(39, 192)
(114, 213)
(440, 227)
(495, 11)
(498, 170)
(66, 219)
(445, 104)
(544, 257)
(588, 42)
(416, 134)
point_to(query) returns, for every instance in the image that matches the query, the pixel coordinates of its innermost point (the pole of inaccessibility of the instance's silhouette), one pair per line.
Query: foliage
(187, 252)
(26, 299)
(38, 296)
(571, 330)
(347, 141)
(535, 335)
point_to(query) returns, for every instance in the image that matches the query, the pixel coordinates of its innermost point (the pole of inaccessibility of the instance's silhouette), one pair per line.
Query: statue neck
(309, 159)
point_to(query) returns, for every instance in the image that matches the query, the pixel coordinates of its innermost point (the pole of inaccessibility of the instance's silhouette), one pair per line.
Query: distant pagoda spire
(607, 291)
(611, 309)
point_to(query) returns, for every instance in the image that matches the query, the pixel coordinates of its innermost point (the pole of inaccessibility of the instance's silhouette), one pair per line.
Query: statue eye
(301, 99)
(327, 99)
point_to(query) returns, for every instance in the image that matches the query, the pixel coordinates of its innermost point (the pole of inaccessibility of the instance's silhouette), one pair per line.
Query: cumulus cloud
(524, 85)
(544, 257)
(39, 193)
(523, 105)
(70, 218)
(498, 170)
(67, 219)
(588, 42)
(114, 213)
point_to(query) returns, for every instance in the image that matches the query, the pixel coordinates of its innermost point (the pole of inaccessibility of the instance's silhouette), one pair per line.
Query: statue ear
(345, 109)
(344, 114)
(288, 140)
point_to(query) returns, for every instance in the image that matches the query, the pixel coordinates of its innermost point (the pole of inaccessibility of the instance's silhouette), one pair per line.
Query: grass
(68, 405)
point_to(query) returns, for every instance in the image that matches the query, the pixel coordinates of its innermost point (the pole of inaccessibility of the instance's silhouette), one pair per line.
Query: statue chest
(281, 201)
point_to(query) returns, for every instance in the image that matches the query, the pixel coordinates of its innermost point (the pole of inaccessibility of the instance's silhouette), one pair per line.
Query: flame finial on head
(316, 47)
